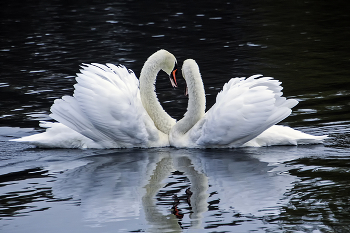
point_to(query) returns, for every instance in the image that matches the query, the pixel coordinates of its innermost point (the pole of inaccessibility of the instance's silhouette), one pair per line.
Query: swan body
(106, 109)
(245, 114)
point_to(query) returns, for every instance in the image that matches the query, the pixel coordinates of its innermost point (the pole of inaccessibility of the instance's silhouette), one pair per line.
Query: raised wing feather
(243, 110)
(106, 107)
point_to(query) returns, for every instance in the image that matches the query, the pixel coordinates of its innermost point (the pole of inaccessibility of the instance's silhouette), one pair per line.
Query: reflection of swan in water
(198, 199)
(245, 114)
(158, 221)
(112, 190)
(123, 187)
(111, 108)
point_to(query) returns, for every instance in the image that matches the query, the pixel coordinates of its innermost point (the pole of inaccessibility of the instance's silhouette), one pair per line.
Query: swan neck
(196, 101)
(148, 95)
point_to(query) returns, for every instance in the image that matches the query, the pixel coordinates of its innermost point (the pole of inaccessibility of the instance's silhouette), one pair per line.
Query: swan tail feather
(58, 135)
(284, 135)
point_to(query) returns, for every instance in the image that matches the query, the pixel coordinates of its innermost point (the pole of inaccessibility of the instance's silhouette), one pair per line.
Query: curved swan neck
(196, 98)
(156, 62)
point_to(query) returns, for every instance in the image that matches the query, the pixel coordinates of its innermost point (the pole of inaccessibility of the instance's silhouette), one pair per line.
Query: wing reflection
(124, 186)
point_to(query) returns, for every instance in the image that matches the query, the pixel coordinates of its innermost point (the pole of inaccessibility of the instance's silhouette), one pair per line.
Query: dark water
(304, 44)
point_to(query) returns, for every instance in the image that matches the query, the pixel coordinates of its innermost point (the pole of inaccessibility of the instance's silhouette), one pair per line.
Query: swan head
(167, 62)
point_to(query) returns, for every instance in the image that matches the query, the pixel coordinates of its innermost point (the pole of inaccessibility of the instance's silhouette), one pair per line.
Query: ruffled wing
(243, 110)
(106, 107)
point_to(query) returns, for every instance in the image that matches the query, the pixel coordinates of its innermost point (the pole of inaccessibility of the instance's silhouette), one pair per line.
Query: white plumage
(244, 109)
(110, 108)
(106, 110)
(106, 107)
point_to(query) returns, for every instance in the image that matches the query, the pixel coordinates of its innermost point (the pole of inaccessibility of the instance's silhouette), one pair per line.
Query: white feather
(244, 110)
(106, 110)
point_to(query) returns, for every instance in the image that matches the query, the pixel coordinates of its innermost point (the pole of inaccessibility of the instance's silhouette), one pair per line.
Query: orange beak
(173, 76)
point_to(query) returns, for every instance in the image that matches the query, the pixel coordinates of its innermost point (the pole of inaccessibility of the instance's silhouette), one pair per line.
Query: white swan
(108, 110)
(245, 114)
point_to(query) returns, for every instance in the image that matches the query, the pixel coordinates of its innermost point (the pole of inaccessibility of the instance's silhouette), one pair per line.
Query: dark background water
(304, 44)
